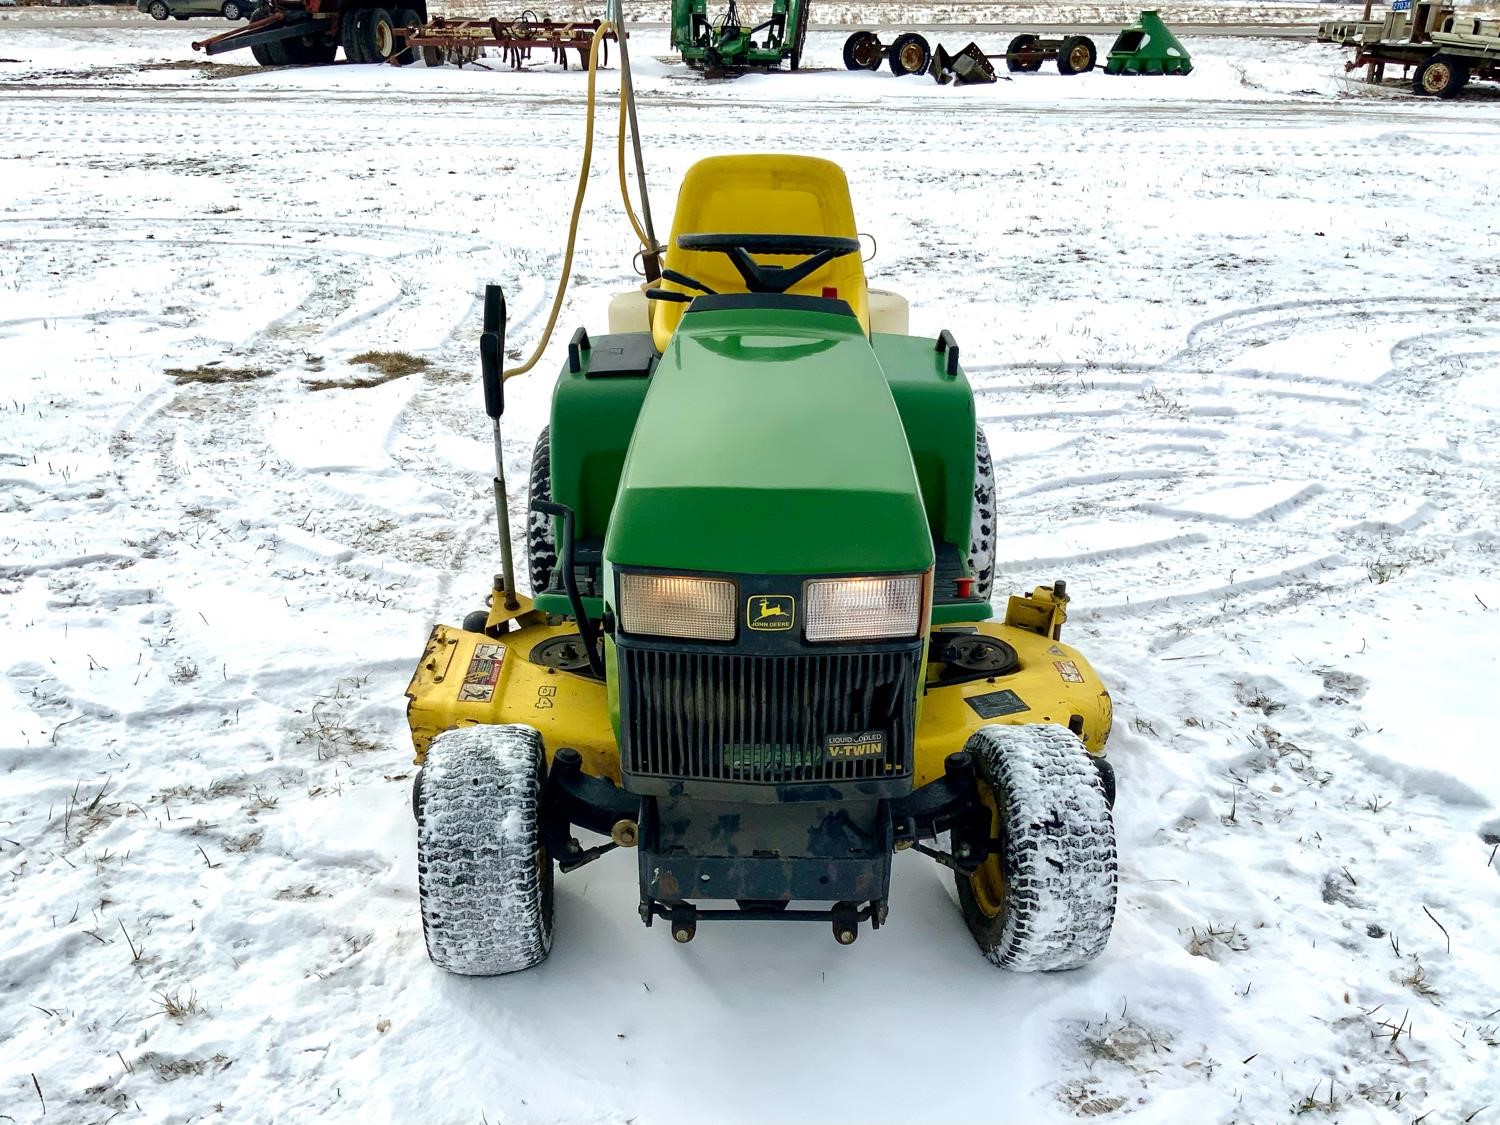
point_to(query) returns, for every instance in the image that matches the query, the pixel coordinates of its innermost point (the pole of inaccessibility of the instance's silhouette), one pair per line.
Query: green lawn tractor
(761, 649)
(725, 46)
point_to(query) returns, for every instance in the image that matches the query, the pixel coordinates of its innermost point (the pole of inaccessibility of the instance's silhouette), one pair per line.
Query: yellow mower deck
(467, 679)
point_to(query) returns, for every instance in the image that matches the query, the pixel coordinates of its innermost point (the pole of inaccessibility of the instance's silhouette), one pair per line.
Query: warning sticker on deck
(1068, 671)
(483, 674)
(997, 703)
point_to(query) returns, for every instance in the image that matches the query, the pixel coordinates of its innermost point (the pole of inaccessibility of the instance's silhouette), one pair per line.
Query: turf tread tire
(1058, 855)
(486, 901)
(982, 519)
(541, 533)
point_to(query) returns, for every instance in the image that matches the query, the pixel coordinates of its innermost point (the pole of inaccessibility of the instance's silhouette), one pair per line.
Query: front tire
(158, 10)
(484, 877)
(232, 11)
(1045, 901)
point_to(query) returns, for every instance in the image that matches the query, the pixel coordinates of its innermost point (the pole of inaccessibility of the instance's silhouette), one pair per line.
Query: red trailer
(310, 32)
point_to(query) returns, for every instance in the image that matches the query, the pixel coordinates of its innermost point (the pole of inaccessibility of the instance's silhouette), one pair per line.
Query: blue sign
(1400, 5)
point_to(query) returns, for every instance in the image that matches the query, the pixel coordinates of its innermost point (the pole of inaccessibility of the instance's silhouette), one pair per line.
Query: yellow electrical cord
(583, 183)
(635, 224)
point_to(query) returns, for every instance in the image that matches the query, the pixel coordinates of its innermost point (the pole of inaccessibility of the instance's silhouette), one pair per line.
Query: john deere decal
(771, 613)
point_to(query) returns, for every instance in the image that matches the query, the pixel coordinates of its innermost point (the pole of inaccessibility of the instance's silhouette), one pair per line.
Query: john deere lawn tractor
(726, 46)
(760, 648)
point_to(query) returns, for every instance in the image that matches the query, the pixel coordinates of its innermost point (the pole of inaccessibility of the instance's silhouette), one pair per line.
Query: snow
(1235, 347)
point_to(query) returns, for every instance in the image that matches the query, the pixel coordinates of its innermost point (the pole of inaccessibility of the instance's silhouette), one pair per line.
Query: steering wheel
(818, 251)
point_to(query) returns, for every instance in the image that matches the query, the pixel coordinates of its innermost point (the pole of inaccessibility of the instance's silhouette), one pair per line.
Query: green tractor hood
(769, 443)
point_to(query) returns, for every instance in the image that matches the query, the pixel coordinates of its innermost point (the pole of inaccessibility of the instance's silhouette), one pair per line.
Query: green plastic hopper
(1147, 47)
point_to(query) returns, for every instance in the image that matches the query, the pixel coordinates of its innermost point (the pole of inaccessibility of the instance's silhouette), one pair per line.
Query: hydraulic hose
(583, 183)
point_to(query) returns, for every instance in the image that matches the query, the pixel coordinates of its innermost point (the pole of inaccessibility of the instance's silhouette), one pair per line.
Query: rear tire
(1022, 66)
(910, 54)
(1076, 55)
(351, 37)
(432, 56)
(379, 29)
(483, 875)
(982, 519)
(158, 10)
(268, 54)
(799, 41)
(862, 51)
(1046, 901)
(405, 18)
(541, 535)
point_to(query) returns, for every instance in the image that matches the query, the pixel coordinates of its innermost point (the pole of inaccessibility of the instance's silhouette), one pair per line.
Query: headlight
(862, 609)
(668, 605)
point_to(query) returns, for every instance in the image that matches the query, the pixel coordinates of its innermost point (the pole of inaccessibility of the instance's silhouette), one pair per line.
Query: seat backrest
(761, 194)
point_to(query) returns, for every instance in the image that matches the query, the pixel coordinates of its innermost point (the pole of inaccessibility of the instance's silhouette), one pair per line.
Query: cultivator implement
(465, 41)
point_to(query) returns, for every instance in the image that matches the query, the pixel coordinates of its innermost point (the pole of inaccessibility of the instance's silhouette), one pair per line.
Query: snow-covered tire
(484, 877)
(982, 519)
(541, 535)
(1046, 902)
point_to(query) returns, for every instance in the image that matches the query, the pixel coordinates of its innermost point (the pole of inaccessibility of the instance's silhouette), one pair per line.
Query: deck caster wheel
(846, 923)
(476, 621)
(684, 927)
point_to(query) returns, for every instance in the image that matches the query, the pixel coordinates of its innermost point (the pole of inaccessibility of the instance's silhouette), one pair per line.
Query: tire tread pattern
(1059, 857)
(486, 903)
(982, 519)
(541, 534)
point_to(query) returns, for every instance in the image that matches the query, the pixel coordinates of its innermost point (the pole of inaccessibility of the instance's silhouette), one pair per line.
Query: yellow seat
(766, 194)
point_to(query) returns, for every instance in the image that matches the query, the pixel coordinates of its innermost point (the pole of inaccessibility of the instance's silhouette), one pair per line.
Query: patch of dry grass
(213, 373)
(385, 366)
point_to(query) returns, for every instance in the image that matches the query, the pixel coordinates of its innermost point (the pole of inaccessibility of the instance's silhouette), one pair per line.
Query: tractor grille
(728, 717)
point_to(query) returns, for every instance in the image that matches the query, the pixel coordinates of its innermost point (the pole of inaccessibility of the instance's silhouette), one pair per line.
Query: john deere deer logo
(771, 613)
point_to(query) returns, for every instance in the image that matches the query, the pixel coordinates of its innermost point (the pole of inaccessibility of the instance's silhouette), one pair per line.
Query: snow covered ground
(1235, 344)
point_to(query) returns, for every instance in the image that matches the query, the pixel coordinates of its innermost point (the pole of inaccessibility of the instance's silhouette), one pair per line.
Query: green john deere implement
(726, 46)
